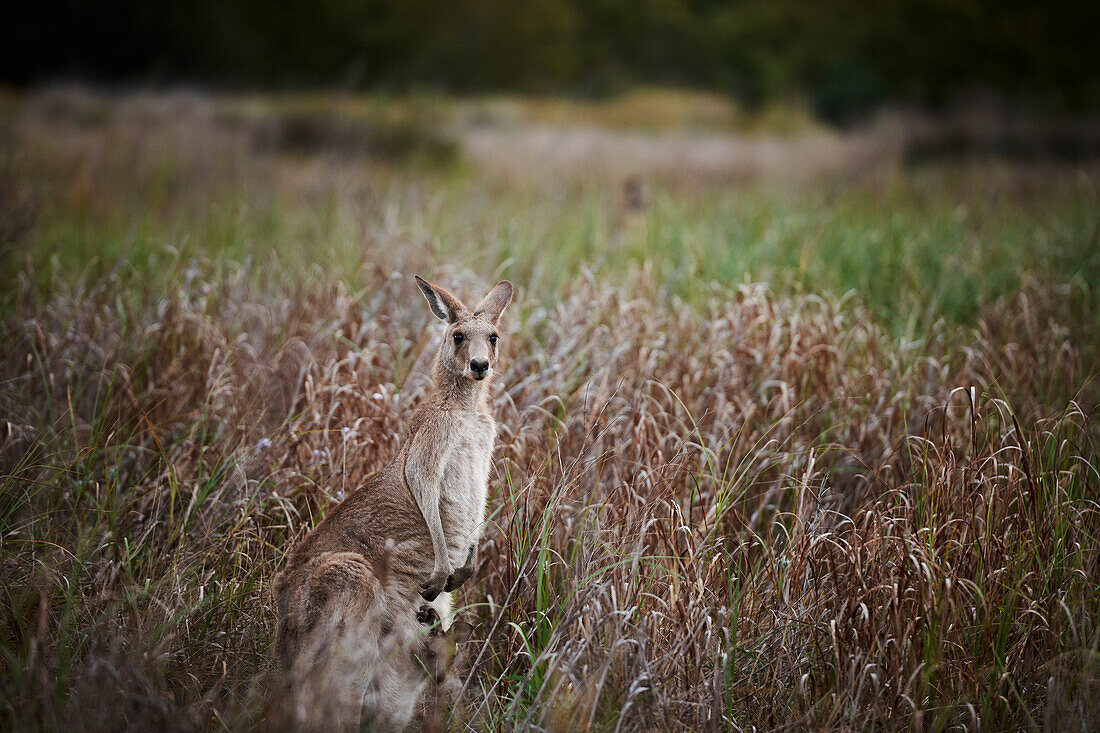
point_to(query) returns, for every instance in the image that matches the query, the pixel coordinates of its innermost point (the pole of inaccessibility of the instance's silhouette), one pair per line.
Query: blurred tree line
(846, 56)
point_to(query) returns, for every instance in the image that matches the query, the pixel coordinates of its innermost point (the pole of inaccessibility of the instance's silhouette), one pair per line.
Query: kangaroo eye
(459, 337)
(493, 339)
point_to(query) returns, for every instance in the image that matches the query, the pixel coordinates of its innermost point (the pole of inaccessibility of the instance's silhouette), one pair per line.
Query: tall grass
(716, 503)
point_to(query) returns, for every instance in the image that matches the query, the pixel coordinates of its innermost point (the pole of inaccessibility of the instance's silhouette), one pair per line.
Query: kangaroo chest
(464, 482)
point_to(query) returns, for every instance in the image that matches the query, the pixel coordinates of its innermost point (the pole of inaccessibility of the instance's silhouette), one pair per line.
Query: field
(798, 428)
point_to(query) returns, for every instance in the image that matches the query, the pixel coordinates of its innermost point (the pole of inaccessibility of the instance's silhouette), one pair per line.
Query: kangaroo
(411, 532)
(450, 444)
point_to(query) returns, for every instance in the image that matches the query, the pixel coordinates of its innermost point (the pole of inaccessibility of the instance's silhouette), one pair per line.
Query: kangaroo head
(469, 350)
(436, 651)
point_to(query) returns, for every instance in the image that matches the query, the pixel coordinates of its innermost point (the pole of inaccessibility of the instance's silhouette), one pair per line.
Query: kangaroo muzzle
(479, 368)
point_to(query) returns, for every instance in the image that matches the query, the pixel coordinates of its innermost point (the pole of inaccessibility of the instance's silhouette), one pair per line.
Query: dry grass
(743, 508)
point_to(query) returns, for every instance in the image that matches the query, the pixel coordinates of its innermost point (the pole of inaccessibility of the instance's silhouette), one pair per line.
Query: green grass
(908, 276)
(912, 253)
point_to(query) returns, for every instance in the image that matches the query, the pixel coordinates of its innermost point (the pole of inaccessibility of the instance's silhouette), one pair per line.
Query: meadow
(798, 428)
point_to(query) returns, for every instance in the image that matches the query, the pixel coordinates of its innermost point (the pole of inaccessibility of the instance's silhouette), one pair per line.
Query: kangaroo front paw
(434, 585)
(457, 578)
(427, 615)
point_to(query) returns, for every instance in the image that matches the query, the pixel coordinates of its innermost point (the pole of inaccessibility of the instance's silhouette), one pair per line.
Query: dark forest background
(845, 57)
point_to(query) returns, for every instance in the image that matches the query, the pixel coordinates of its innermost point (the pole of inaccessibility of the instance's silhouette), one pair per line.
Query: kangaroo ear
(496, 301)
(445, 306)
(460, 631)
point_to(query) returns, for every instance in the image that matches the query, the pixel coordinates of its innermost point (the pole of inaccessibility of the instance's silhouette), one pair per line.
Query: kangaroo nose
(479, 365)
